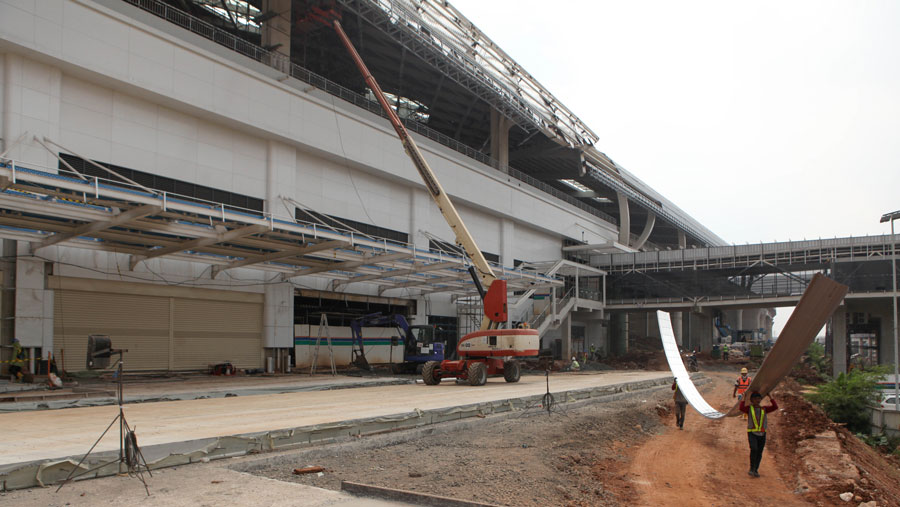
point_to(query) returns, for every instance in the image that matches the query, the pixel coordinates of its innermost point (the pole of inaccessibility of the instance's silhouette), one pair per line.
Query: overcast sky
(765, 121)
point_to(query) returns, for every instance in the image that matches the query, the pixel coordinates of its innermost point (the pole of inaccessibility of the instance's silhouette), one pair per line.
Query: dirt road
(707, 462)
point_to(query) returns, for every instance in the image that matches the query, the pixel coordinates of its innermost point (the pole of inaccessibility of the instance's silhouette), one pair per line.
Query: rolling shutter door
(134, 322)
(208, 332)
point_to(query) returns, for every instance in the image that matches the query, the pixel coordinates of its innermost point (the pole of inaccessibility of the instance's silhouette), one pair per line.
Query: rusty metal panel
(819, 301)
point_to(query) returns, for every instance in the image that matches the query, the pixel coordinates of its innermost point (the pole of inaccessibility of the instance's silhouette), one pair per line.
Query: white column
(678, 327)
(278, 316)
(281, 170)
(34, 303)
(420, 205)
(507, 242)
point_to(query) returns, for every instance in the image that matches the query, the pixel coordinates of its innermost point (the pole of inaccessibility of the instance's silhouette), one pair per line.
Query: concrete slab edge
(412, 497)
(52, 471)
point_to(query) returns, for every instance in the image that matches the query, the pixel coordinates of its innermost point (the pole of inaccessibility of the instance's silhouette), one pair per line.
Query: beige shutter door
(137, 323)
(208, 332)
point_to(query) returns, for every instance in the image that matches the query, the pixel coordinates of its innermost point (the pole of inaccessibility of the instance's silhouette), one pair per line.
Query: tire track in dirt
(707, 462)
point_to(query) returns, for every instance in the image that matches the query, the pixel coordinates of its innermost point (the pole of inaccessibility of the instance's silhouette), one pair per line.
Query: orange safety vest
(743, 384)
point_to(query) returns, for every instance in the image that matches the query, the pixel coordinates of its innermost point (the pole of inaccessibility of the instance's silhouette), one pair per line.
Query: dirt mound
(824, 459)
(643, 354)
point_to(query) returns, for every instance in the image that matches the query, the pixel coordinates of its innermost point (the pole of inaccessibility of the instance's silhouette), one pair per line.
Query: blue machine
(417, 342)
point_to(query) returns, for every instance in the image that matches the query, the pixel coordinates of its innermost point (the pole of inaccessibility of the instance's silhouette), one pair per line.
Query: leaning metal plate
(673, 356)
(820, 299)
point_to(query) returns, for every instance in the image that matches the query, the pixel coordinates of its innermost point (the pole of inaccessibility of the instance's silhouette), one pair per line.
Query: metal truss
(445, 39)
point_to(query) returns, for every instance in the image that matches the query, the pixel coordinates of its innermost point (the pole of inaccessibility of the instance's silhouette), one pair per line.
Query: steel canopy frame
(46, 207)
(443, 37)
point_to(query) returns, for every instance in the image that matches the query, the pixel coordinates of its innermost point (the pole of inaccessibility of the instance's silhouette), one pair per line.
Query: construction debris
(308, 470)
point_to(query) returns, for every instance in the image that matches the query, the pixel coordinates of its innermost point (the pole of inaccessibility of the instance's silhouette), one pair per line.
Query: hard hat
(743, 370)
(573, 358)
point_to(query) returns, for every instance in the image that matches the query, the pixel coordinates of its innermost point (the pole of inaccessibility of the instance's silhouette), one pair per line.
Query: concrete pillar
(500, 126)
(281, 169)
(420, 206)
(648, 229)
(34, 303)
(276, 31)
(278, 316)
(7, 299)
(624, 219)
(618, 333)
(594, 334)
(677, 327)
(566, 329)
(507, 242)
(839, 337)
(682, 239)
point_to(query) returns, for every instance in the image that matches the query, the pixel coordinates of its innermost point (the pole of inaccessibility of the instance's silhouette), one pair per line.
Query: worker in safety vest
(757, 420)
(725, 352)
(17, 364)
(680, 405)
(575, 365)
(741, 384)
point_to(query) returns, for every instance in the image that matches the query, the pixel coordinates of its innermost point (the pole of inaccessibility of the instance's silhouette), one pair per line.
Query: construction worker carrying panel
(680, 405)
(757, 421)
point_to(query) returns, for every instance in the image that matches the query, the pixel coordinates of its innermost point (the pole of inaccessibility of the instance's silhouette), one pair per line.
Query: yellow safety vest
(757, 425)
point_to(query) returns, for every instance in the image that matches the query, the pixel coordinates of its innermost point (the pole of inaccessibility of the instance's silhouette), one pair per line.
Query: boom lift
(491, 350)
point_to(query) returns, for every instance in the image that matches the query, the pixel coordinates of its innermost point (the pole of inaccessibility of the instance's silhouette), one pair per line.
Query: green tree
(846, 398)
(816, 356)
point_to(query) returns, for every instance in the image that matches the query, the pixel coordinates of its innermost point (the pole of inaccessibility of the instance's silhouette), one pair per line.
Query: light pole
(890, 217)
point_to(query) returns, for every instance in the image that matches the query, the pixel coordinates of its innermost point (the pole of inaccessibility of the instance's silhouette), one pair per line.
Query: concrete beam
(624, 219)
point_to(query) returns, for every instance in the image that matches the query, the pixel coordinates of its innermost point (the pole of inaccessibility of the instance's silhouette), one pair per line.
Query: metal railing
(283, 64)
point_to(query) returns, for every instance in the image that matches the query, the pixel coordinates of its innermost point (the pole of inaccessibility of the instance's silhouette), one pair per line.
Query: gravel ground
(526, 458)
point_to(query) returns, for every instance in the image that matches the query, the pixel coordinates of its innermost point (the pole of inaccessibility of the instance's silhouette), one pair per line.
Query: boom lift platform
(490, 350)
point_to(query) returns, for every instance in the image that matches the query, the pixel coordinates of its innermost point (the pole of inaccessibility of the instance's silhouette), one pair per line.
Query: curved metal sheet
(673, 356)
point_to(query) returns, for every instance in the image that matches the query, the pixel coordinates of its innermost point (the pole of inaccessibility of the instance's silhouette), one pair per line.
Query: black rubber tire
(511, 371)
(428, 373)
(477, 373)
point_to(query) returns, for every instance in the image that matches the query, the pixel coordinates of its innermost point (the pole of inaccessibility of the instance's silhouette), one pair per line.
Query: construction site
(350, 252)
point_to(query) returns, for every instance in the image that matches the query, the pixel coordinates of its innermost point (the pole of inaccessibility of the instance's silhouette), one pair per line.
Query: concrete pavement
(178, 428)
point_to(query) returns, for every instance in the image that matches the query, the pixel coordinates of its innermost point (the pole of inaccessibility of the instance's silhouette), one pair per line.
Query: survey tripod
(130, 459)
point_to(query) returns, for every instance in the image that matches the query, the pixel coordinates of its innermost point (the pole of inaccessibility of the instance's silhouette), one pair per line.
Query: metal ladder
(323, 324)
